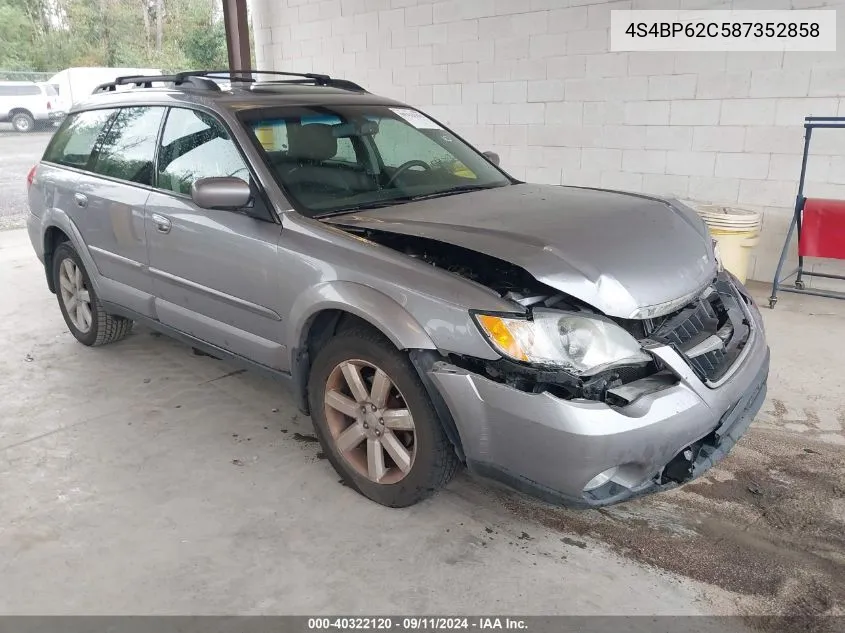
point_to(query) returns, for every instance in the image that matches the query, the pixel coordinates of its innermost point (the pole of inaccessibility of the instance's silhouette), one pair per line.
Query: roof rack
(203, 80)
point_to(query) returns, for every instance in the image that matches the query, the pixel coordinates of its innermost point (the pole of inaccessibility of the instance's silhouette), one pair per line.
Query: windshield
(342, 158)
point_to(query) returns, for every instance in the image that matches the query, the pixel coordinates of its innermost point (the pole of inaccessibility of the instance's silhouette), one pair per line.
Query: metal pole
(799, 203)
(237, 34)
(796, 218)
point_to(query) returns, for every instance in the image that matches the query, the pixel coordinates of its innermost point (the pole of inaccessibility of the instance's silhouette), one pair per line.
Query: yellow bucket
(736, 231)
(735, 250)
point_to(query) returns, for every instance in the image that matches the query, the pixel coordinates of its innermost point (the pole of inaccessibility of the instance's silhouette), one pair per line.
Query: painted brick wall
(534, 81)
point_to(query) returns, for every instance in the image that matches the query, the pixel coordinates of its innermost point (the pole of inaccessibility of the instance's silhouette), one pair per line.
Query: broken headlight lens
(582, 344)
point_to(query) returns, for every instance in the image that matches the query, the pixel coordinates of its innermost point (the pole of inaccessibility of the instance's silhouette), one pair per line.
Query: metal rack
(204, 79)
(810, 123)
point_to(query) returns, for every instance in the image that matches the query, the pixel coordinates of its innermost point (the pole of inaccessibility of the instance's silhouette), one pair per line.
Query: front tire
(375, 420)
(84, 315)
(23, 122)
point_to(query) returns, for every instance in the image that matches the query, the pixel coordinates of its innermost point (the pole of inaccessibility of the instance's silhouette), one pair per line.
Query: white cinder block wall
(534, 81)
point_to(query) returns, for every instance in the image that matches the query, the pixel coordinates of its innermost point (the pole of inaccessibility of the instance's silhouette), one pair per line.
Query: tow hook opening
(680, 468)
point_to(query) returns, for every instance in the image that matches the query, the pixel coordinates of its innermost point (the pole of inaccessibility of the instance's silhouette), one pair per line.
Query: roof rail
(202, 79)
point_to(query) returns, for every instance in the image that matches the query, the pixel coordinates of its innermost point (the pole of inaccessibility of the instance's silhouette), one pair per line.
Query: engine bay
(517, 285)
(505, 279)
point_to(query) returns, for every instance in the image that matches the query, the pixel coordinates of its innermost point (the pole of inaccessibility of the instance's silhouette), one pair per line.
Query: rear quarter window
(75, 140)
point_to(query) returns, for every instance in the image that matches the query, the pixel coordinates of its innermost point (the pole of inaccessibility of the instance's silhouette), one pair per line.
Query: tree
(204, 44)
(49, 35)
(159, 24)
(15, 37)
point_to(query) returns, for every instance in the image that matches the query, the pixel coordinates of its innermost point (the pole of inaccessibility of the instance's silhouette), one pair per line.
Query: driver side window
(195, 145)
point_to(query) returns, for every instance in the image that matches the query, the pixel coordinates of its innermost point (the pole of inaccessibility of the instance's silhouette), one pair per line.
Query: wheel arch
(53, 236)
(344, 302)
(376, 308)
(57, 229)
(15, 111)
(317, 313)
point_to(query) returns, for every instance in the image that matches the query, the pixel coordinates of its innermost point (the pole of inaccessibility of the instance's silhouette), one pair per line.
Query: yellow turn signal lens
(500, 335)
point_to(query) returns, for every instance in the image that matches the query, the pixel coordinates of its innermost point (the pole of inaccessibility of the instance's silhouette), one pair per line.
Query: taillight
(49, 105)
(31, 176)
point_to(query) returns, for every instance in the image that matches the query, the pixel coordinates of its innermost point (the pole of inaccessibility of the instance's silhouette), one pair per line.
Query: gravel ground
(766, 525)
(18, 153)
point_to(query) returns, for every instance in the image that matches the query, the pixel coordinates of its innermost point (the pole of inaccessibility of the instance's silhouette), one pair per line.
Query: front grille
(709, 333)
(691, 324)
(711, 364)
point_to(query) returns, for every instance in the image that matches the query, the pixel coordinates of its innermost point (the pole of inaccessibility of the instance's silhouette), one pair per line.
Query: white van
(27, 103)
(76, 84)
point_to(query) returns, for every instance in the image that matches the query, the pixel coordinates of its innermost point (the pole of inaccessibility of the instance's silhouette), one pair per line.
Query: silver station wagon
(424, 307)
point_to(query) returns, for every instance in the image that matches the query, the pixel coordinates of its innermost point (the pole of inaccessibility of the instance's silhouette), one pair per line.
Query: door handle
(81, 199)
(162, 223)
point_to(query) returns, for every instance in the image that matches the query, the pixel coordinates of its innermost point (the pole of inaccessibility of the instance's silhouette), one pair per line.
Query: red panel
(823, 229)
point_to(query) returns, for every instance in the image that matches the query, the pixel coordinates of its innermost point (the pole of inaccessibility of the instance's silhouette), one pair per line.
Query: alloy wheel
(370, 423)
(75, 296)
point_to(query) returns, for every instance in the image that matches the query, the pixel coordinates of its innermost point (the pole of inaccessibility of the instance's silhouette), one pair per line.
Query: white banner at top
(723, 30)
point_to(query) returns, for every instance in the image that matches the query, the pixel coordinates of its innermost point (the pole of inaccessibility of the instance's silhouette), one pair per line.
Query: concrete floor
(139, 478)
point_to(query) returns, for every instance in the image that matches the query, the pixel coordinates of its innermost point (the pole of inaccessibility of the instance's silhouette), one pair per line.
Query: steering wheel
(405, 167)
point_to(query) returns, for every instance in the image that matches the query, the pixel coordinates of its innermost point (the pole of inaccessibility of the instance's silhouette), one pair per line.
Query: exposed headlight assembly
(581, 344)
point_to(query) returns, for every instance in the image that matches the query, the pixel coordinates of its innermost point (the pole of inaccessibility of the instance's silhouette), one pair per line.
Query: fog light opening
(680, 469)
(601, 479)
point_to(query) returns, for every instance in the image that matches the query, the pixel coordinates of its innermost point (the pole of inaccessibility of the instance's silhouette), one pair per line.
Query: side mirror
(493, 157)
(227, 194)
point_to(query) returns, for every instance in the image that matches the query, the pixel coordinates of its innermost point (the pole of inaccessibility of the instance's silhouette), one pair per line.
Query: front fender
(375, 307)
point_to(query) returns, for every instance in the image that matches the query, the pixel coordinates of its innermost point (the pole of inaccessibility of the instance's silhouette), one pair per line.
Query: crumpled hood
(628, 255)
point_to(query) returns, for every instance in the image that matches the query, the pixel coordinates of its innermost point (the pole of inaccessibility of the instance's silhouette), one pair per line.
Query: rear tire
(84, 315)
(23, 122)
(417, 458)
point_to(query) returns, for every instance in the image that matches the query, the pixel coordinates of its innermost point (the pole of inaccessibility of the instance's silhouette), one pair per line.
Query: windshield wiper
(453, 191)
(380, 204)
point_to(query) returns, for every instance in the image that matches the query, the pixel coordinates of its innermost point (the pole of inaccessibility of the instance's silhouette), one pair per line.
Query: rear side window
(128, 146)
(50, 89)
(196, 145)
(73, 143)
(21, 90)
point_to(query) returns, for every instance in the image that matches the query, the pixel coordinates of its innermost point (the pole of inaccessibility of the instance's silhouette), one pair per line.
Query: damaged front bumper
(588, 453)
